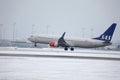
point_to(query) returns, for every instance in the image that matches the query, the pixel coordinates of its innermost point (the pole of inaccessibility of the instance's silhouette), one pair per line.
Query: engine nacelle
(53, 44)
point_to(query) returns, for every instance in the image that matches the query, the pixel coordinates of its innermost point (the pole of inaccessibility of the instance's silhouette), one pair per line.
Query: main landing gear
(71, 48)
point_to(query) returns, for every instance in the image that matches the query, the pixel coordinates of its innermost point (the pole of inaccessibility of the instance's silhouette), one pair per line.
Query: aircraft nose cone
(29, 39)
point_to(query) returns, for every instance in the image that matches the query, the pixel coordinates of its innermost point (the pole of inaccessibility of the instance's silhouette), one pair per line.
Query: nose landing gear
(35, 44)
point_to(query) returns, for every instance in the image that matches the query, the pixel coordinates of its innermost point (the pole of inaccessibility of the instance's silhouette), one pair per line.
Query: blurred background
(78, 18)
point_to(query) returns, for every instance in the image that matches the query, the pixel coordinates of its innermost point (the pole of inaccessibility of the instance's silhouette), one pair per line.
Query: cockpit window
(31, 35)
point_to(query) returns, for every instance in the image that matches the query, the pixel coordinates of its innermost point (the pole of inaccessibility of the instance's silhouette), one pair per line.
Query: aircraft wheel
(72, 49)
(35, 44)
(66, 48)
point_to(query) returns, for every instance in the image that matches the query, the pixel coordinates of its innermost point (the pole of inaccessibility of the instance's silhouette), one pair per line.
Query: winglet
(107, 35)
(63, 35)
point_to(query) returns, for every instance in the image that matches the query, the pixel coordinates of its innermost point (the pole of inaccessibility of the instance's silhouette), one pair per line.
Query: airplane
(69, 43)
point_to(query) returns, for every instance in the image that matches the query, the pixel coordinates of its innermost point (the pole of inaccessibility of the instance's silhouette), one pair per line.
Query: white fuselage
(74, 42)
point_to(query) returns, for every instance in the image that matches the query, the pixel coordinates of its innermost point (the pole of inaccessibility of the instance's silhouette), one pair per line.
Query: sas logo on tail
(106, 37)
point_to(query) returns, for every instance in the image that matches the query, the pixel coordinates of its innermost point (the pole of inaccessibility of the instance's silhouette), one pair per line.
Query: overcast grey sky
(79, 18)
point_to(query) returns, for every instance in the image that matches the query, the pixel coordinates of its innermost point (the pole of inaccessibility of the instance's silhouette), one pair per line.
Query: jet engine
(53, 44)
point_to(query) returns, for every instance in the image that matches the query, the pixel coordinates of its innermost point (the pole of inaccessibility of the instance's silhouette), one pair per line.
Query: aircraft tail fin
(107, 35)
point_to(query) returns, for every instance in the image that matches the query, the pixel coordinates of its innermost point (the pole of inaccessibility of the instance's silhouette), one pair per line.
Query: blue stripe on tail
(107, 35)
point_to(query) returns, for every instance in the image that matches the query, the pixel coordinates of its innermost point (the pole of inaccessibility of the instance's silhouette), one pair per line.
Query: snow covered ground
(57, 64)
(60, 53)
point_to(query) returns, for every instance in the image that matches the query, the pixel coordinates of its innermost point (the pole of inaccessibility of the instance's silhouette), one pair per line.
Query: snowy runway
(57, 64)
(59, 53)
